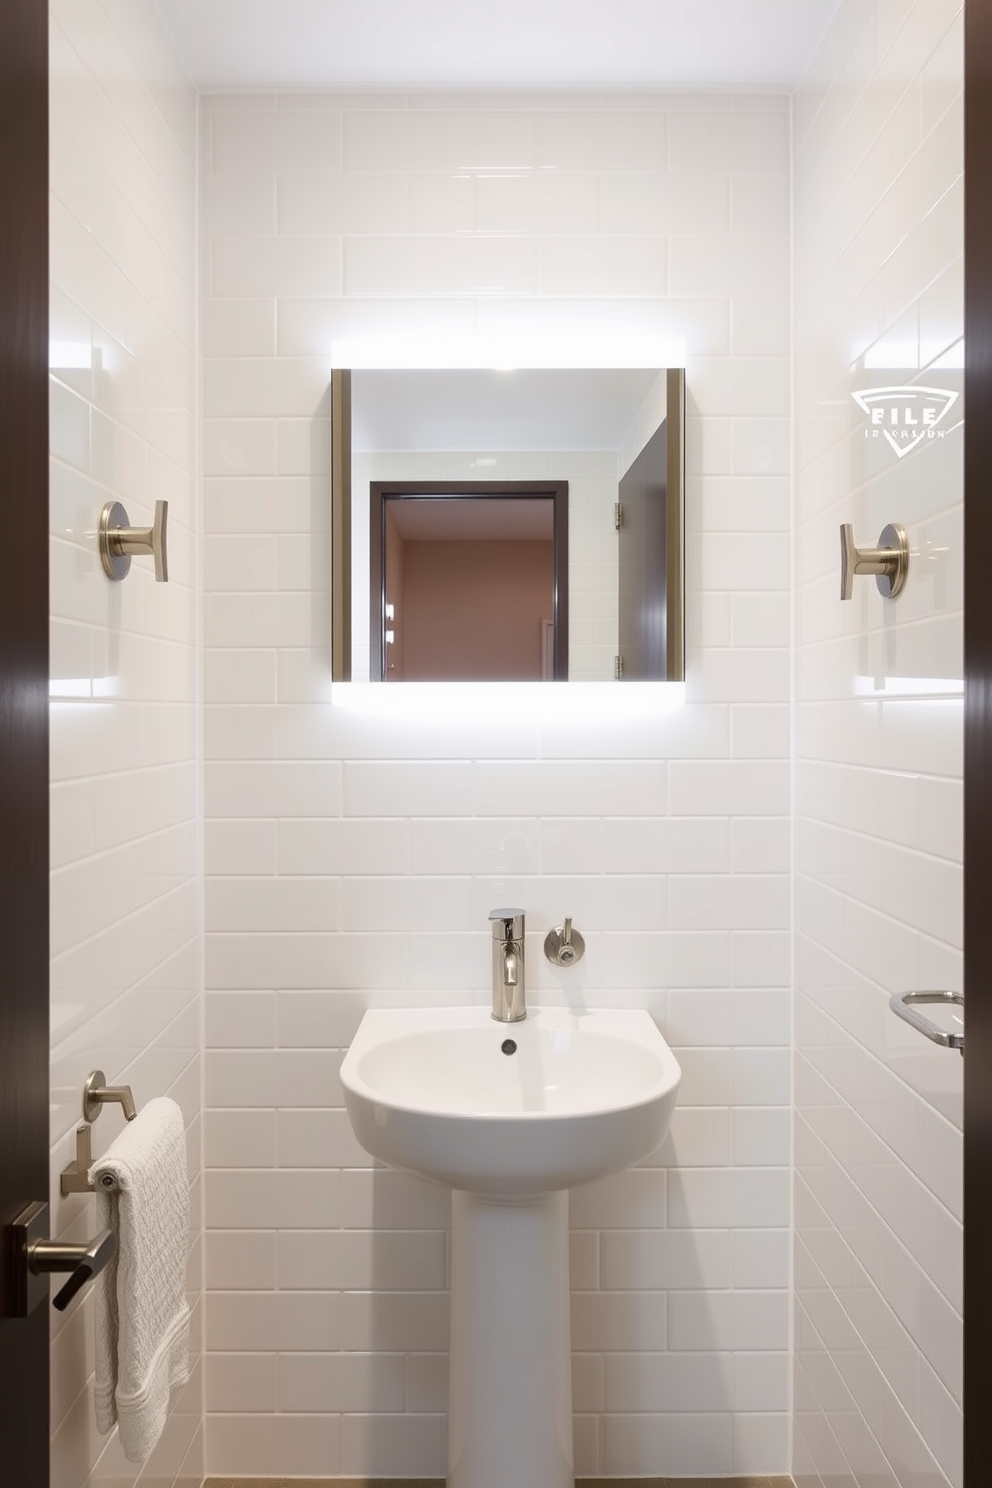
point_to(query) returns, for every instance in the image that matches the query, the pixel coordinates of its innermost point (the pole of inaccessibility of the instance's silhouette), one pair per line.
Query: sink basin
(509, 1108)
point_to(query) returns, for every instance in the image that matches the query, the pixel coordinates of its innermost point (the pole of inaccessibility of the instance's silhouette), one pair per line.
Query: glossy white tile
(439, 220)
(874, 885)
(123, 255)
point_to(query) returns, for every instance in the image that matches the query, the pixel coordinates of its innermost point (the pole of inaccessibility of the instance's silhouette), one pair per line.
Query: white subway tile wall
(353, 861)
(878, 252)
(126, 879)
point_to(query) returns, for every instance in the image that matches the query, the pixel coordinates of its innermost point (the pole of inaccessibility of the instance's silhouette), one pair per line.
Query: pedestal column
(510, 1397)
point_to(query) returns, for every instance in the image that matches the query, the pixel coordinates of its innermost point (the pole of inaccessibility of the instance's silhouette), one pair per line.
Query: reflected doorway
(469, 581)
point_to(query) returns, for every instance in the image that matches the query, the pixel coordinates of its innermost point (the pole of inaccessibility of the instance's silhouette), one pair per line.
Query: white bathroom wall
(650, 416)
(126, 874)
(878, 1262)
(353, 861)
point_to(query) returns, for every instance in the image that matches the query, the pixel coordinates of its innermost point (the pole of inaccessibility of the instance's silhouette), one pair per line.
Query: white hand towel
(142, 1320)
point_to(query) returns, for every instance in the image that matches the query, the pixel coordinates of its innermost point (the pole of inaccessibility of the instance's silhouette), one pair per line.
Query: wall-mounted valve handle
(563, 946)
(889, 562)
(119, 541)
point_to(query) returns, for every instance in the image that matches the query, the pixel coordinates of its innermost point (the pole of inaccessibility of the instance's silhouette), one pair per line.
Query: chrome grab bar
(904, 1005)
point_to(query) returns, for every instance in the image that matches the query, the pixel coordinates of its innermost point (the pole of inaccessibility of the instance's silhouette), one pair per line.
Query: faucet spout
(509, 1004)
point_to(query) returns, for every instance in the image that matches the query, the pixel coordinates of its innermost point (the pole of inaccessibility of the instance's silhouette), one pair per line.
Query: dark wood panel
(643, 563)
(978, 740)
(24, 705)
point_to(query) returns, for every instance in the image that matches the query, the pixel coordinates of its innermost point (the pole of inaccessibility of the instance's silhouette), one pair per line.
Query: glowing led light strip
(909, 687)
(592, 350)
(73, 689)
(510, 702)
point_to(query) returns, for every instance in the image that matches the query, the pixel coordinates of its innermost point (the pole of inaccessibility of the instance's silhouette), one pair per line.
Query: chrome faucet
(508, 965)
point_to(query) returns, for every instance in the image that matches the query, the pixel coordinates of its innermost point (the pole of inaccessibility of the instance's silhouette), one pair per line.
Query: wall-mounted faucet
(508, 965)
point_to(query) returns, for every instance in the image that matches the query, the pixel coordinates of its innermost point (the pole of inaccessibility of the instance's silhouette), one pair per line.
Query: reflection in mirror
(468, 581)
(439, 483)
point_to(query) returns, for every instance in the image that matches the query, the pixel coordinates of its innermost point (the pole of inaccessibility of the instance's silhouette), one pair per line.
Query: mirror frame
(341, 497)
(341, 525)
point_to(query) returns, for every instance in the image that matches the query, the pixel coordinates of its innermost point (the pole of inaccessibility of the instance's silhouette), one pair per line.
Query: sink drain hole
(509, 1046)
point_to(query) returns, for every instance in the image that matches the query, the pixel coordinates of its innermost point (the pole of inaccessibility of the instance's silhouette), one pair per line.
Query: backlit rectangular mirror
(521, 525)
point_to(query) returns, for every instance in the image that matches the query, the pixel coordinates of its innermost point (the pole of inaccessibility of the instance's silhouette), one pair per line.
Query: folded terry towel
(142, 1320)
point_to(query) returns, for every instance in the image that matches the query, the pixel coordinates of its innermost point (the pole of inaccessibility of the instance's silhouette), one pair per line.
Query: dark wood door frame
(382, 491)
(24, 1079)
(978, 745)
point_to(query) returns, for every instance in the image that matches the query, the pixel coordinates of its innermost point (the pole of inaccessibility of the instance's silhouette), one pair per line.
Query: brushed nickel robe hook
(889, 562)
(119, 541)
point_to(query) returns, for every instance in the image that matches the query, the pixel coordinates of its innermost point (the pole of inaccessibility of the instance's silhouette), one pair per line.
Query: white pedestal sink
(509, 1115)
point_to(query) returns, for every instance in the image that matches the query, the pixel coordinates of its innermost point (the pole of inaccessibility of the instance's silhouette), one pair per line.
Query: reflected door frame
(381, 492)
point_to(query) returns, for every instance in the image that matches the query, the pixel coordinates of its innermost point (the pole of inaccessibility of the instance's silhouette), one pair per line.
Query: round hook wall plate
(894, 537)
(116, 564)
(95, 1080)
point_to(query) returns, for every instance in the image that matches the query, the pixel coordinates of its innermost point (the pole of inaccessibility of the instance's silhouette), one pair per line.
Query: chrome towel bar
(96, 1094)
(904, 1005)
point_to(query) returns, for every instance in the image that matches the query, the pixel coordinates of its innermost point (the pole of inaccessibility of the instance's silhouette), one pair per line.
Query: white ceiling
(699, 44)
